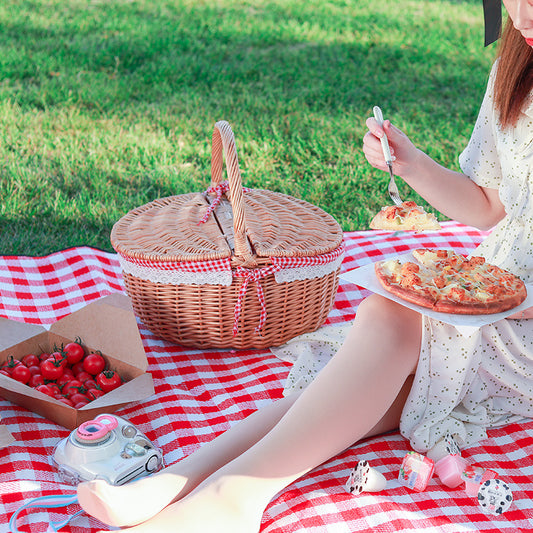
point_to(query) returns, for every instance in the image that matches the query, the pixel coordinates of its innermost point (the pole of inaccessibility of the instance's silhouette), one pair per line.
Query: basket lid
(277, 225)
(168, 230)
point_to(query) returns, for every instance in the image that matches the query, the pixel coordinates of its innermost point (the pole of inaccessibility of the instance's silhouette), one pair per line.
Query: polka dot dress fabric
(503, 160)
(465, 384)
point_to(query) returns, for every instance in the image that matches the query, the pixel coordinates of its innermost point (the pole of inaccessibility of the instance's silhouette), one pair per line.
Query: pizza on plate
(405, 217)
(445, 281)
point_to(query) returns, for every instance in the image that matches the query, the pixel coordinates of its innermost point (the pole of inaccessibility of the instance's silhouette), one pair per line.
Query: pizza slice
(405, 217)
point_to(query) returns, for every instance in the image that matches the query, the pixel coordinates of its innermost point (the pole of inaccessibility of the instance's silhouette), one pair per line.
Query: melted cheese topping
(450, 276)
(408, 216)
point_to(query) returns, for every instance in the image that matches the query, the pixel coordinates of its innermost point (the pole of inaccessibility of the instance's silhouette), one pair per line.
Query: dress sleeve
(480, 159)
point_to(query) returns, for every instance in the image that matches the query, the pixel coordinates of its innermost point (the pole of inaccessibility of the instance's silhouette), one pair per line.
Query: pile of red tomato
(68, 374)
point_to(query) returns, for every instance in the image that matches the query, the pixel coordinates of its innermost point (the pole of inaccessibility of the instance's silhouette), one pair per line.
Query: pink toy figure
(474, 476)
(450, 468)
(416, 471)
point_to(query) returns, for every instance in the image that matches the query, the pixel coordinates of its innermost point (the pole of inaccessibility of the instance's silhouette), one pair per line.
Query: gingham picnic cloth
(201, 393)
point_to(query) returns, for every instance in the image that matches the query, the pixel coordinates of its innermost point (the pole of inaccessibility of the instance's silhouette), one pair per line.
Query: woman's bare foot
(130, 504)
(209, 508)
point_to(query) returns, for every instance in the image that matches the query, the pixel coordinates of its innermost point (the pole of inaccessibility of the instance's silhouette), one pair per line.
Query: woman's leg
(139, 500)
(344, 403)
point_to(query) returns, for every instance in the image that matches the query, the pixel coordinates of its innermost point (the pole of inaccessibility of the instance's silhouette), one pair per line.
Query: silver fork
(393, 189)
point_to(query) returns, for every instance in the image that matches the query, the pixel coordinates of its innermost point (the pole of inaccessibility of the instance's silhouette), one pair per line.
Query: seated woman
(396, 367)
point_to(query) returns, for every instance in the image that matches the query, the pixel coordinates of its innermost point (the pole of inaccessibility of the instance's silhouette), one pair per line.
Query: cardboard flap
(110, 325)
(137, 389)
(12, 332)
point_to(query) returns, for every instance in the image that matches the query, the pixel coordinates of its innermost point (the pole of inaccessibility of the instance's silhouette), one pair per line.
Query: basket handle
(224, 142)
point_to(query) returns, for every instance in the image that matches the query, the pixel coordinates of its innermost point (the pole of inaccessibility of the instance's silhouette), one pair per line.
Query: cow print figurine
(364, 478)
(358, 478)
(495, 496)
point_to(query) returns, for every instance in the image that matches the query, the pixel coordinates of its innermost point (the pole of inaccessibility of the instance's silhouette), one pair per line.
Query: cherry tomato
(72, 387)
(44, 356)
(83, 376)
(5, 373)
(90, 384)
(35, 369)
(77, 368)
(21, 373)
(63, 380)
(59, 357)
(10, 364)
(74, 351)
(94, 363)
(94, 393)
(54, 388)
(30, 360)
(108, 380)
(66, 401)
(51, 369)
(36, 380)
(45, 389)
(78, 397)
(67, 371)
(79, 405)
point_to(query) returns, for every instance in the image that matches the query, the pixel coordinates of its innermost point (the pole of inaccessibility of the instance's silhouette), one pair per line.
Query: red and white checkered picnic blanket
(201, 393)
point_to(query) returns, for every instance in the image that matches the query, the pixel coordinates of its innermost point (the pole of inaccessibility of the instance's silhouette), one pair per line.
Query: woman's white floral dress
(466, 383)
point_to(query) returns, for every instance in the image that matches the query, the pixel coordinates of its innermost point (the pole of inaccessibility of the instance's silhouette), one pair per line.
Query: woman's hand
(526, 313)
(404, 153)
(452, 193)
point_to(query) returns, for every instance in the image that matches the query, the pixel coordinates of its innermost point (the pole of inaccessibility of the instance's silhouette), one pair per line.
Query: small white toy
(364, 478)
(447, 445)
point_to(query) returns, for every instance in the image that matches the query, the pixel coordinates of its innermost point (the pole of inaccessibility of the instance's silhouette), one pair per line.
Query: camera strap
(47, 502)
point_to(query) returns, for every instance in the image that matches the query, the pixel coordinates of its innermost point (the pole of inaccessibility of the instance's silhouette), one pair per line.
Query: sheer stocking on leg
(344, 403)
(139, 500)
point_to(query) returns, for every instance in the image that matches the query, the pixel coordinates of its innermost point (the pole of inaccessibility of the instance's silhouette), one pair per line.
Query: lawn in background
(108, 104)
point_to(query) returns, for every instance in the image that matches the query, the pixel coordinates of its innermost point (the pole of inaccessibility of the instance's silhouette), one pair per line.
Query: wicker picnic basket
(231, 267)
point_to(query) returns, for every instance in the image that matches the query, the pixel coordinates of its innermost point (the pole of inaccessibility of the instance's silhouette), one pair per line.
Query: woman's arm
(452, 193)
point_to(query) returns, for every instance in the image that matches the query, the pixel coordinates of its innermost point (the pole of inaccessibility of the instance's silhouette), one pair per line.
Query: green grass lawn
(107, 105)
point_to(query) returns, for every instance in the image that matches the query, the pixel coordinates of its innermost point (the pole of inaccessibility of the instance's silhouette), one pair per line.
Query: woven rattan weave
(201, 268)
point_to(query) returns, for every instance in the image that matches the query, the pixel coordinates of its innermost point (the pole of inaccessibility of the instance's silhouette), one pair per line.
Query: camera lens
(92, 432)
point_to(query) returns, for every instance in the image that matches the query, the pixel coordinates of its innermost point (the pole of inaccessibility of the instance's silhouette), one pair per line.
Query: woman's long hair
(514, 78)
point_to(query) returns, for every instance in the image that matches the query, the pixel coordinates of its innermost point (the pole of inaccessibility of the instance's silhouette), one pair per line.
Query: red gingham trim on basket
(216, 265)
(224, 264)
(296, 262)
